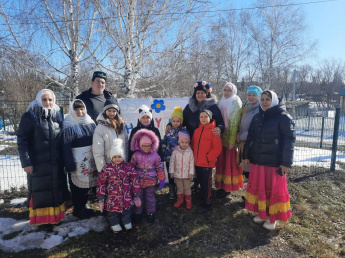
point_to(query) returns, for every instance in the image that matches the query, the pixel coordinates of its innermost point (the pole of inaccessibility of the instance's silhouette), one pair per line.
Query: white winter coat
(103, 139)
(182, 162)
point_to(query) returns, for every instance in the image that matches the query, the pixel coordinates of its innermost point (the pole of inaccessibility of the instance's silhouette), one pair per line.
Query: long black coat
(38, 146)
(271, 138)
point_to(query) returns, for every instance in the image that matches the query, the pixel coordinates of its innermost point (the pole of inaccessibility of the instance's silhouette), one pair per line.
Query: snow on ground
(12, 174)
(316, 157)
(27, 238)
(18, 201)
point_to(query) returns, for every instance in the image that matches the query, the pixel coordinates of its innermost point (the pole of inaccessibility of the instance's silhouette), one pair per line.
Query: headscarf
(75, 127)
(37, 103)
(226, 105)
(275, 100)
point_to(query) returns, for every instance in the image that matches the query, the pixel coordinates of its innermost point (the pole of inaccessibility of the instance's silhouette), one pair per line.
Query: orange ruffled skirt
(48, 215)
(228, 173)
(267, 193)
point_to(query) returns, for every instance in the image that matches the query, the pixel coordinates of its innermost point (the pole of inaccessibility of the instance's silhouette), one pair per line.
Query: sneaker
(257, 219)
(270, 226)
(128, 226)
(117, 228)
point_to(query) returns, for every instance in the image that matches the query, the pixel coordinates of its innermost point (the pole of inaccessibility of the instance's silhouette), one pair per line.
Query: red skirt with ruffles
(267, 193)
(48, 215)
(228, 174)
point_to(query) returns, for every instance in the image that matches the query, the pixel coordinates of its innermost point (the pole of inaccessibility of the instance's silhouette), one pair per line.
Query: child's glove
(161, 184)
(137, 202)
(101, 205)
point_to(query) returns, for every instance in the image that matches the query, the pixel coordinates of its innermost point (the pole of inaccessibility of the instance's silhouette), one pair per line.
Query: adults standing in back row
(95, 97)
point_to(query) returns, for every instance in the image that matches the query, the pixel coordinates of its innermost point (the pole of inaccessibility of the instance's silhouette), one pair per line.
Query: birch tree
(60, 33)
(278, 30)
(144, 32)
(230, 46)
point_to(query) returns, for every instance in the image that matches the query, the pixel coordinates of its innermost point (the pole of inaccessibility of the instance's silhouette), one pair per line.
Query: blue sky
(326, 25)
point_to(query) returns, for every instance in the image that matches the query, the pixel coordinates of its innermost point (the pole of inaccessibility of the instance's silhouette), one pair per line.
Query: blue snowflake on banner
(158, 105)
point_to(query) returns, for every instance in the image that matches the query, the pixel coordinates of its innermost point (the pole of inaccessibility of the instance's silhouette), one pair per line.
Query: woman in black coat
(269, 149)
(39, 151)
(200, 101)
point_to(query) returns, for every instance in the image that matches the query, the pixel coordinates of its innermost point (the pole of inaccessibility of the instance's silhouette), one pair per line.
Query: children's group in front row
(125, 187)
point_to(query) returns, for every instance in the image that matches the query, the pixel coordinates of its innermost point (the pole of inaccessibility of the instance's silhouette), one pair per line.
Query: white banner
(162, 110)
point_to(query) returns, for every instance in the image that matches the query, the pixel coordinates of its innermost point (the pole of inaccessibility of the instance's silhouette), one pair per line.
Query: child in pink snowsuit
(150, 169)
(118, 188)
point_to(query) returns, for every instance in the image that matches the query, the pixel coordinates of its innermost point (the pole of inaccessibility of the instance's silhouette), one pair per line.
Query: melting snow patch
(18, 201)
(26, 239)
(52, 241)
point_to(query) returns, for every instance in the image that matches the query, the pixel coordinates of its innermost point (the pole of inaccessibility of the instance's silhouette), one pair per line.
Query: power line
(186, 12)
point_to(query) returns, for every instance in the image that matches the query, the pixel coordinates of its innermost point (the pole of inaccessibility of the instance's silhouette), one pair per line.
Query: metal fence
(315, 147)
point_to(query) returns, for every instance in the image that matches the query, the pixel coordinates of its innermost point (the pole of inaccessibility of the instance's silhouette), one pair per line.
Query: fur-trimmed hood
(103, 121)
(206, 104)
(135, 146)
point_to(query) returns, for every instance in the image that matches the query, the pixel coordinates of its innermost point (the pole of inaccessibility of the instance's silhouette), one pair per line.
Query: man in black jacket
(95, 97)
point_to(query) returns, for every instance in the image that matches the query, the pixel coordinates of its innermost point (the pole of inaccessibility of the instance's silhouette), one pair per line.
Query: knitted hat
(144, 139)
(145, 111)
(177, 113)
(111, 103)
(255, 90)
(117, 148)
(208, 112)
(99, 74)
(183, 135)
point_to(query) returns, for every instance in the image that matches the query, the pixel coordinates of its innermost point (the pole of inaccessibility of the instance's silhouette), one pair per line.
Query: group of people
(254, 140)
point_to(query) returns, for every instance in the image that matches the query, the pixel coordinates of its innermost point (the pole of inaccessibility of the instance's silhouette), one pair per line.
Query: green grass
(316, 228)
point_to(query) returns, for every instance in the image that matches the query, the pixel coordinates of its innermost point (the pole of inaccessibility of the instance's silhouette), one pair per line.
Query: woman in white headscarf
(39, 152)
(228, 173)
(77, 134)
(269, 149)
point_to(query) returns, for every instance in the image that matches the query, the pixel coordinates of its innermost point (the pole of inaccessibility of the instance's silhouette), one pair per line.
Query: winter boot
(188, 199)
(172, 192)
(151, 218)
(179, 201)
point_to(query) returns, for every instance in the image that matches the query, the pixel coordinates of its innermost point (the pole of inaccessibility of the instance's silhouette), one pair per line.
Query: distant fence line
(313, 149)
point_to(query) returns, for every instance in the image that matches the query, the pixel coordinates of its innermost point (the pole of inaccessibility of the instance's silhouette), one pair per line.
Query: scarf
(226, 105)
(75, 127)
(36, 106)
(275, 100)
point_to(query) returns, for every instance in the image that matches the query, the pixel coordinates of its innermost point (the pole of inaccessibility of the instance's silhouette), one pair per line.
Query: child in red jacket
(207, 147)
